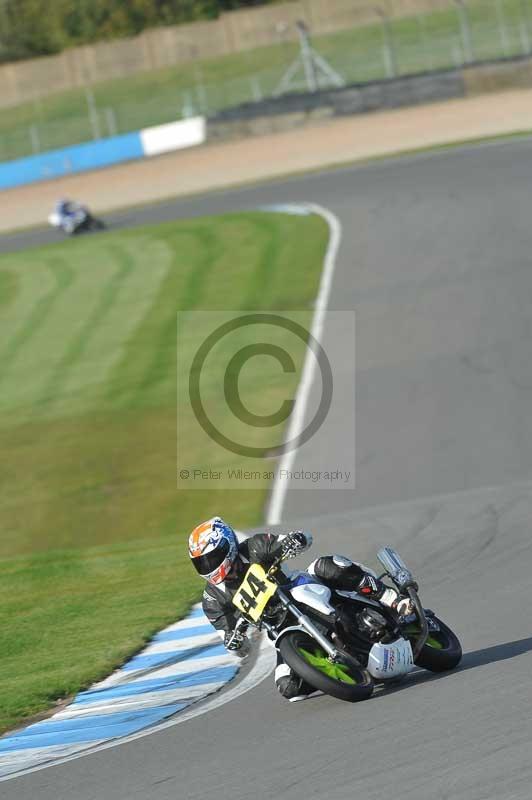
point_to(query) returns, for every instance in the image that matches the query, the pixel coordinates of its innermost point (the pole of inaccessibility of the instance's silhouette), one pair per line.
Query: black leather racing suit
(337, 572)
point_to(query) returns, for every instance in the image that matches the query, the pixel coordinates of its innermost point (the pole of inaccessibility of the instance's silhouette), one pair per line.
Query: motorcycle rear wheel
(306, 658)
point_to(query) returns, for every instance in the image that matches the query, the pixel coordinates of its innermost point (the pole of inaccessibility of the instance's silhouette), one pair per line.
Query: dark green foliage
(40, 27)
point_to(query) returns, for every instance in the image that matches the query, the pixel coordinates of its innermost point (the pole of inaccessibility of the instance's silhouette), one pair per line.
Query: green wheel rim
(431, 640)
(318, 660)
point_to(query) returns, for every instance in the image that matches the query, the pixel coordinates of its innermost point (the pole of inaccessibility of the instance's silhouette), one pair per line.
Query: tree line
(31, 28)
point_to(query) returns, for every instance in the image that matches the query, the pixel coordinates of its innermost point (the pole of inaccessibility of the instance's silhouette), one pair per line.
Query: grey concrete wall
(302, 109)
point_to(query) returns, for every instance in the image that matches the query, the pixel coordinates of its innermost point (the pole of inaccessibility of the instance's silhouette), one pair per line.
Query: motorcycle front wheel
(343, 680)
(441, 651)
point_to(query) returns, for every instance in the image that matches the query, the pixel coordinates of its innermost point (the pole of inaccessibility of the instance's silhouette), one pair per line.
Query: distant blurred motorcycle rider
(66, 211)
(222, 560)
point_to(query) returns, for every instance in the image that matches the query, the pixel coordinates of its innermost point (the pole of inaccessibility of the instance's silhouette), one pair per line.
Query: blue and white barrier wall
(103, 153)
(174, 136)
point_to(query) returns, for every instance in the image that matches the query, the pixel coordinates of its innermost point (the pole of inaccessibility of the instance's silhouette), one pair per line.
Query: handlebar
(275, 566)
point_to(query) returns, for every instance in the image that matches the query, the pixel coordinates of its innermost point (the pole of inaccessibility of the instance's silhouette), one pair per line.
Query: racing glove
(374, 588)
(405, 607)
(377, 590)
(294, 543)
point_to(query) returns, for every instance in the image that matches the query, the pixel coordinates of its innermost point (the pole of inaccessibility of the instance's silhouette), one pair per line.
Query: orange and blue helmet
(213, 549)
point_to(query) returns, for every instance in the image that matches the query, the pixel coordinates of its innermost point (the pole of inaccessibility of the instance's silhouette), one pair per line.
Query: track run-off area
(435, 259)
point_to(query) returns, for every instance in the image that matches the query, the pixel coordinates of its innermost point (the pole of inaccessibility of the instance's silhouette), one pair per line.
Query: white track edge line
(277, 497)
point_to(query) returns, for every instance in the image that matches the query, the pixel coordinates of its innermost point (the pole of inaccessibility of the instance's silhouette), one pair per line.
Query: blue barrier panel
(79, 158)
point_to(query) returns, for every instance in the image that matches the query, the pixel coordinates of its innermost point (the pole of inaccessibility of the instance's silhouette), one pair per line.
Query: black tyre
(346, 681)
(441, 651)
(95, 224)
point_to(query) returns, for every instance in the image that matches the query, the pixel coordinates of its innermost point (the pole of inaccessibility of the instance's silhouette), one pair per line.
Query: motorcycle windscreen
(390, 660)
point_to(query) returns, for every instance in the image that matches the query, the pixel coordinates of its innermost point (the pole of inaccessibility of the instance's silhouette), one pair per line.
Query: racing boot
(291, 686)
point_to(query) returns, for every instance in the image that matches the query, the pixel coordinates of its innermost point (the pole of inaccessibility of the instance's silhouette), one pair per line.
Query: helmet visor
(209, 562)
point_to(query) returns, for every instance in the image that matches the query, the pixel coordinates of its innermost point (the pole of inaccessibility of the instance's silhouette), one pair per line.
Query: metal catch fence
(467, 31)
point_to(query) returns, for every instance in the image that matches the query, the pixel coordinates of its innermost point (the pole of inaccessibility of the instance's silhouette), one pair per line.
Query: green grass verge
(92, 553)
(420, 43)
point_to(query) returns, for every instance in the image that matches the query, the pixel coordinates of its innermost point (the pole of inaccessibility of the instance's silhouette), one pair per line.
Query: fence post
(503, 33)
(524, 30)
(256, 89)
(35, 140)
(93, 113)
(429, 63)
(201, 93)
(187, 107)
(110, 118)
(456, 52)
(465, 30)
(388, 49)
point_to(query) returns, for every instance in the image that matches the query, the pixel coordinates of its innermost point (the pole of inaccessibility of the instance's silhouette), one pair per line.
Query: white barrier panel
(174, 136)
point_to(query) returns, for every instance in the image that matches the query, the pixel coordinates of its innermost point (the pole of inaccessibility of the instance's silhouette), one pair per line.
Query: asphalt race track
(436, 258)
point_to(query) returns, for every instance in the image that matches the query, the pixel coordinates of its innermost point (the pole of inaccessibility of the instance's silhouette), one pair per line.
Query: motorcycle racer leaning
(222, 560)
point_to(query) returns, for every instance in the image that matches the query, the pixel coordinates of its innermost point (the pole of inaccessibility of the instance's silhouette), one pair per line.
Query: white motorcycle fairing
(390, 660)
(69, 222)
(315, 595)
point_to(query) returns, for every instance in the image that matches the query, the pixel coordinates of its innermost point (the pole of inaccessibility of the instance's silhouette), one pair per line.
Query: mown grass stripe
(140, 368)
(64, 277)
(194, 287)
(263, 276)
(109, 341)
(78, 345)
(9, 287)
(34, 363)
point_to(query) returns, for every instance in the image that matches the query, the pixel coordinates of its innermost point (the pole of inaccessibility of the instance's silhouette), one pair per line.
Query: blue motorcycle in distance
(72, 218)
